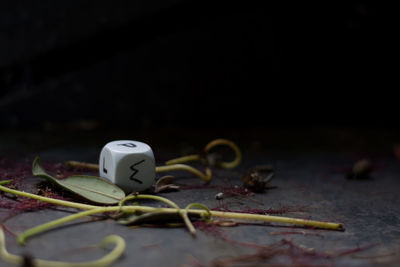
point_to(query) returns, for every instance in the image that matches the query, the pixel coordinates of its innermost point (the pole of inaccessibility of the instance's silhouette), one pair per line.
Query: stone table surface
(310, 168)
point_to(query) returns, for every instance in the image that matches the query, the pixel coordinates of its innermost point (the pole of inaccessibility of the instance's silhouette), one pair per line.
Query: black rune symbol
(131, 145)
(104, 165)
(135, 171)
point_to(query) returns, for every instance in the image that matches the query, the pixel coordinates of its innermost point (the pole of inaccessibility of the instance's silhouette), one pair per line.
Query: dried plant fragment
(361, 170)
(258, 179)
(164, 184)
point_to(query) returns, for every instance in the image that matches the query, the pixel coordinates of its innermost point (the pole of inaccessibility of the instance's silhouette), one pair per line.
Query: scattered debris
(226, 223)
(219, 196)
(256, 180)
(361, 170)
(164, 184)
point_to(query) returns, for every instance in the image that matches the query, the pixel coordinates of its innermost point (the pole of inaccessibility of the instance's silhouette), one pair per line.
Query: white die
(128, 164)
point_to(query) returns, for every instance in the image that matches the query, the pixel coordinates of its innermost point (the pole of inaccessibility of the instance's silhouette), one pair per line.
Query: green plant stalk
(207, 148)
(184, 159)
(220, 214)
(108, 259)
(182, 167)
(45, 199)
(230, 215)
(251, 217)
(182, 213)
(207, 217)
(232, 145)
(52, 224)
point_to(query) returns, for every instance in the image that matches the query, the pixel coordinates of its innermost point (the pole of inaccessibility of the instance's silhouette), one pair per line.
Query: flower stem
(46, 199)
(108, 259)
(232, 145)
(182, 213)
(52, 224)
(182, 167)
(227, 215)
(183, 159)
(207, 148)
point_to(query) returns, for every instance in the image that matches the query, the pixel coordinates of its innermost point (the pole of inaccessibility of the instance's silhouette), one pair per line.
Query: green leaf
(95, 189)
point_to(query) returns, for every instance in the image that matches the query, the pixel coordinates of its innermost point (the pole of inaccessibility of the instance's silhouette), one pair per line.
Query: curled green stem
(184, 159)
(52, 224)
(232, 145)
(182, 213)
(45, 199)
(106, 260)
(220, 214)
(207, 217)
(207, 149)
(182, 167)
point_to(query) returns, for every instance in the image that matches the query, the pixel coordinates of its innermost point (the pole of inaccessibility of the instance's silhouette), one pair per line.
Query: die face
(107, 164)
(128, 147)
(135, 172)
(128, 164)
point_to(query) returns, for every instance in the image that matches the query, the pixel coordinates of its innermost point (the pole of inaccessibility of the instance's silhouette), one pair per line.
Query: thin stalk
(207, 217)
(52, 224)
(232, 145)
(153, 197)
(46, 199)
(255, 217)
(182, 167)
(108, 259)
(207, 148)
(182, 213)
(184, 159)
(220, 214)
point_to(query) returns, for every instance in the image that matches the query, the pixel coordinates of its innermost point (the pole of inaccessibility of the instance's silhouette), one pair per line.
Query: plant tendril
(182, 212)
(205, 216)
(207, 148)
(174, 209)
(106, 260)
(182, 167)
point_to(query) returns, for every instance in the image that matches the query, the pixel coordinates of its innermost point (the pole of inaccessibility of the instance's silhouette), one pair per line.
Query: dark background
(89, 65)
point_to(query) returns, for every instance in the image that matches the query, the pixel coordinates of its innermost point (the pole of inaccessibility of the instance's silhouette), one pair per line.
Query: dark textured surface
(307, 176)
